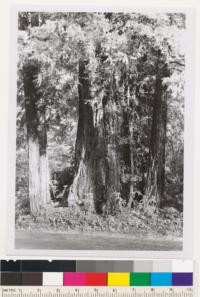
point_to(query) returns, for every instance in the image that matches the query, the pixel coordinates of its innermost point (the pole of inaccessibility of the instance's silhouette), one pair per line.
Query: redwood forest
(100, 127)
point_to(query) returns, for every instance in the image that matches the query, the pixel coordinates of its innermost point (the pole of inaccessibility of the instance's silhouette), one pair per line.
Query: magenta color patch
(74, 279)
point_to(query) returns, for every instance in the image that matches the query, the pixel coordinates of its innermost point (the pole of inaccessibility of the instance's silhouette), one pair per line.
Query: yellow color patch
(118, 279)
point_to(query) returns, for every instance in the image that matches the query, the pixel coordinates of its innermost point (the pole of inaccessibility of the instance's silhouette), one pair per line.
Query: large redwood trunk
(96, 183)
(111, 126)
(82, 187)
(156, 170)
(37, 144)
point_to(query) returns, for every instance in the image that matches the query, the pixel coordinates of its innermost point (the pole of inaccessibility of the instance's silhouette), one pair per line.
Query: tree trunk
(44, 165)
(37, 142)
(82, 187)
(96, 181)
(125, 157)
(34, 175)
(156, 170)
(132, 157)
(30, 72)
(111, 134)
(128, 151)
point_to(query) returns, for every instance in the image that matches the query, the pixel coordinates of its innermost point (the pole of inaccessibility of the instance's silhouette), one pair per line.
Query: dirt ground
(80, 241)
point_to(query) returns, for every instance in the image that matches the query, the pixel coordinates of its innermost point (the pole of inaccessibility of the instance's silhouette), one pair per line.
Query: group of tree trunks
(97, 176)
(97, 155)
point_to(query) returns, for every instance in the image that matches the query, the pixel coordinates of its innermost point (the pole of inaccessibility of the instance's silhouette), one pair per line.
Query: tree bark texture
(156, 170)
(96, 183)
(44, 164)
(127, 132)
(125, 157)
(37, 144)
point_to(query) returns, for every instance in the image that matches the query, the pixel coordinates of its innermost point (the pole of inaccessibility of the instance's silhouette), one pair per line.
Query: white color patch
(182, 266)
(52, 279)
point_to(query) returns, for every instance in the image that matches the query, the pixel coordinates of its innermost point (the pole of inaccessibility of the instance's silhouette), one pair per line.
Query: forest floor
(126, 230)
(98, 241)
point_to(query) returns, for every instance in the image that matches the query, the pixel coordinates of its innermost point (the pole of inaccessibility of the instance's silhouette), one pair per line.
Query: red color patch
(96, 279)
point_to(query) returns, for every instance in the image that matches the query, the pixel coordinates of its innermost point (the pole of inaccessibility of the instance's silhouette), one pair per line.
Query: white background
(5, 90)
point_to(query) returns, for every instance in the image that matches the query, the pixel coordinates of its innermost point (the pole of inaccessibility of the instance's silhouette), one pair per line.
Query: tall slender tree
(30, 72)
(156, 169)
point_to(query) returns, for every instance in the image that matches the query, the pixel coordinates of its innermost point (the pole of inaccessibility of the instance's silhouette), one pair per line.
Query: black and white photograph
(100, 123)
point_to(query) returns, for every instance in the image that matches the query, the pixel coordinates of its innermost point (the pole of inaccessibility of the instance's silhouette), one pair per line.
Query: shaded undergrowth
(139, 222)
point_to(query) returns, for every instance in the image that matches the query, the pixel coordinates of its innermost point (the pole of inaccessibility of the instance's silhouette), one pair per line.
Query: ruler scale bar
(96, 292)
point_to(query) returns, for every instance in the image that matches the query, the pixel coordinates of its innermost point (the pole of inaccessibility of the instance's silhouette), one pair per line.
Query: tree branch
(177, 63)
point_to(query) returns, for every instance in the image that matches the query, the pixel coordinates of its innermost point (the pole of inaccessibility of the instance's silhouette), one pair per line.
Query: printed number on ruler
(49, 291)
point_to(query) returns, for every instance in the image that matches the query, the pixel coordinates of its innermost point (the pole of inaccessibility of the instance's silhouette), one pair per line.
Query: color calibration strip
(96, 273)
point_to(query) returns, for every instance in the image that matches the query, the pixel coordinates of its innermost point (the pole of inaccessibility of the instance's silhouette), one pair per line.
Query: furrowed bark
(125, 157)
(30, 71)
(96, 181)
(128, 152)
(44, 165)
(34, 176)
(37, 141)
(111, 132)
(156, 170)
(82, 186)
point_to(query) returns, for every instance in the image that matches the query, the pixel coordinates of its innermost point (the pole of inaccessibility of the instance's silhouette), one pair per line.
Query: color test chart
(71, 273)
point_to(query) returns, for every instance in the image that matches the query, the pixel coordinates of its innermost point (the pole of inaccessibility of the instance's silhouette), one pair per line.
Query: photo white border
(188, 139)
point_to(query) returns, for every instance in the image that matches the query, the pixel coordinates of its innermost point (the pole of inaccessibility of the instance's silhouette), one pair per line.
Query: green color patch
(140, 279)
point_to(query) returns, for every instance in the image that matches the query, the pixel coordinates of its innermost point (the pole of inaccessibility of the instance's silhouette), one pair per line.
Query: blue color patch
(161, 279)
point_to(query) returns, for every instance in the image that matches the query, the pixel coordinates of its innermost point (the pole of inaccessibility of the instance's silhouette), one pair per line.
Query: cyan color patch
(161, 279)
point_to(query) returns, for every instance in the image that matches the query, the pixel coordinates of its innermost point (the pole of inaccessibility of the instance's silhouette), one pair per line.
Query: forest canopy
(100, 114)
